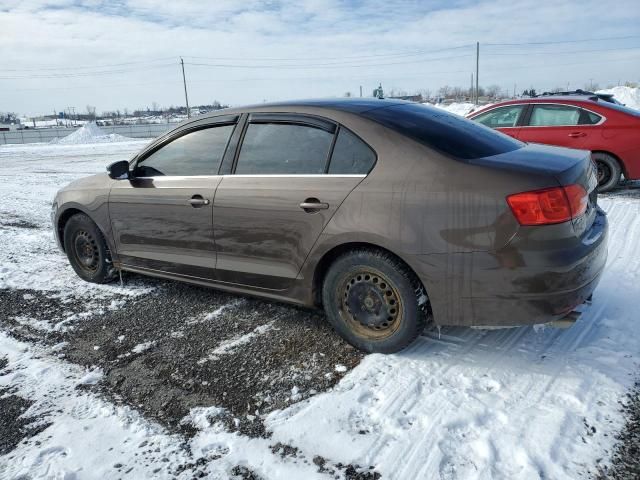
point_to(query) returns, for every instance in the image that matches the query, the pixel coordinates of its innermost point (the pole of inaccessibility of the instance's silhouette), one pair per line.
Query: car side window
(351, 155)
(589, 118)
(501, 117)
(554, 116)
(283, 148)
(193, 154)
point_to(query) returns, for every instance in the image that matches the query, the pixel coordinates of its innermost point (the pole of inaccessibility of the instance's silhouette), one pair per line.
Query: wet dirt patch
(36, 316)
(14, 428)
(182, 347)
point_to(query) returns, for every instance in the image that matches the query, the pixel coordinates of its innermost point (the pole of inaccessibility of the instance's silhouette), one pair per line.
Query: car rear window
(450, 134)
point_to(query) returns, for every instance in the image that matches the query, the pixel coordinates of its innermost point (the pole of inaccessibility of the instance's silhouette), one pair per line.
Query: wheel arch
(322, 266)
(617, 158)
(62, 220)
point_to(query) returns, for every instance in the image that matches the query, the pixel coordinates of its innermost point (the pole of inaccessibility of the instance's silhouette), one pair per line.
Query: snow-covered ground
(525, 403)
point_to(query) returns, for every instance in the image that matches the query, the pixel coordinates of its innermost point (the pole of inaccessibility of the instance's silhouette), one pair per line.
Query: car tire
(87, 250)
(609, 171)
(374, 301)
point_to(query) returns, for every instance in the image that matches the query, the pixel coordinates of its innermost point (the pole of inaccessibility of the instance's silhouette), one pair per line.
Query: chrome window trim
(298, 175)
(266, 175)
(533, 104)
(177, 177)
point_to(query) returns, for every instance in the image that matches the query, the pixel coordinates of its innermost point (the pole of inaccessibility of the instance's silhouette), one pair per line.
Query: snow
(523, 403)
(143, 347)
(90, 133)
(630, 96)
(459, 108)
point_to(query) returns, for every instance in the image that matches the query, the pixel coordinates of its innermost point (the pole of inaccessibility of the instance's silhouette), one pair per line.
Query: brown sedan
(382, 212)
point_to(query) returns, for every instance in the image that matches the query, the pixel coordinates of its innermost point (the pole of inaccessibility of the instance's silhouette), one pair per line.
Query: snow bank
(459, 108)
(91, 133)
(630, 96)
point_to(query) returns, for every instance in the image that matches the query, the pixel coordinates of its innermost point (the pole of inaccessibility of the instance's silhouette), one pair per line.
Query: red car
(609, 130)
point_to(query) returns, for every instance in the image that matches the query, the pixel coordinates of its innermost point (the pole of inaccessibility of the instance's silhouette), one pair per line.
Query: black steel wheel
(608, 173)
(373, 300)
(87, 250)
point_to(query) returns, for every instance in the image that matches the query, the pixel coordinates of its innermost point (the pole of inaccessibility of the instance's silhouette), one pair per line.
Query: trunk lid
(566, 165)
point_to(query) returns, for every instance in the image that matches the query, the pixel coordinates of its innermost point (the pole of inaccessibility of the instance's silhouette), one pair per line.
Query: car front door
(270, 211)
(162, 217)
(561, 125)
(505, 119)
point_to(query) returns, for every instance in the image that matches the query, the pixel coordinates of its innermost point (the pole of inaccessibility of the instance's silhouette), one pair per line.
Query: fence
(45, 135)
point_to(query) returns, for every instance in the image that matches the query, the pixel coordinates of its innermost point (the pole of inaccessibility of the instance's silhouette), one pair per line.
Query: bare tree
(492, 91)
(91, 112)
(155, 107)
(444, 91)
(457, 92)
(425, 92)
(348, 94)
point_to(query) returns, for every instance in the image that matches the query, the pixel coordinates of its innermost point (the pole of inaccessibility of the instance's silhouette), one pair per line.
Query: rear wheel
(87, 250)
(609, 171)
(374, 301)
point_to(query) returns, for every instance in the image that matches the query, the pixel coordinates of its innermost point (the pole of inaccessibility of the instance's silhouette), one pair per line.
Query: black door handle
(311, 205)
(198, 201)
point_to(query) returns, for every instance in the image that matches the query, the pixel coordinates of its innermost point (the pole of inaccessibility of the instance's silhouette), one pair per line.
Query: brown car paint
(447, 219)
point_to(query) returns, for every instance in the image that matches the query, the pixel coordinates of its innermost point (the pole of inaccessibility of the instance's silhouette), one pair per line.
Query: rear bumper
(539, 277)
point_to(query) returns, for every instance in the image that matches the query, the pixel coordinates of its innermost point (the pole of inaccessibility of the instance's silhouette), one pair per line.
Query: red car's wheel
(609, 171)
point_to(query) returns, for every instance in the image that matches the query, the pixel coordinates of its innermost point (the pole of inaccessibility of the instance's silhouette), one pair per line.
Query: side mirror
(119, 170)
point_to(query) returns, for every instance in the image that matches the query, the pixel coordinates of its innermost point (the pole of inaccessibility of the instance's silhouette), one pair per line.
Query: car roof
(350, 105)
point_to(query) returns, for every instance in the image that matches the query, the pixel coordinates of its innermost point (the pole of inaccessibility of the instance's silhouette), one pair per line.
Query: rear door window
(554, 116)
(351, 155)
(589, 118)
(502, 117)
(193, 154)
(277, 148)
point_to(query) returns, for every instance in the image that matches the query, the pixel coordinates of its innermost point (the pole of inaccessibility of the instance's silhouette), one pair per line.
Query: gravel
(625, 463)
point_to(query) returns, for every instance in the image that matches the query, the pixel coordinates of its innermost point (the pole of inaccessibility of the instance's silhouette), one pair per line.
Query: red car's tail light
(549, 206)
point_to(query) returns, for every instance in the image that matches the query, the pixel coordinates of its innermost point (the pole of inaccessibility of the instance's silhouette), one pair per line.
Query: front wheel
(609, 171)
(87, 250)
(374, 301)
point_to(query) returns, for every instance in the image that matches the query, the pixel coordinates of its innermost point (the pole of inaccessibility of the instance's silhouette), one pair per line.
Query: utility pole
(514, 90)
(360, 91)
(471, 89)
(477, 70)
(184, 80)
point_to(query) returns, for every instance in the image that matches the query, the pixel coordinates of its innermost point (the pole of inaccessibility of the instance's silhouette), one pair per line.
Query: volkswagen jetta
(384, 213)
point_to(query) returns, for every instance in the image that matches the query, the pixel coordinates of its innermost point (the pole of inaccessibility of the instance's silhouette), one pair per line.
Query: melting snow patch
(142, 347)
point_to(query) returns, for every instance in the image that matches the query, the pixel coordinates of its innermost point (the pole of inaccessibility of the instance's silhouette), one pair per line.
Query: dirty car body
(475, 216)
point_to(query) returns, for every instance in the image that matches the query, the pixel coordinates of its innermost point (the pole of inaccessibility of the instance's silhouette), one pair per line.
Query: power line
(321, 65)
(50, 67)
(396, 54)
(85, 74)
(557, 42)
(552, 52)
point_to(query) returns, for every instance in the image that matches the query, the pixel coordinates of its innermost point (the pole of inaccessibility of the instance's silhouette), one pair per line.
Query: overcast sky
(125, 53)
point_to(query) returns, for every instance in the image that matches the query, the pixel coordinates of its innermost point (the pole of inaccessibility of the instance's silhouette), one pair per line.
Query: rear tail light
(549, 206)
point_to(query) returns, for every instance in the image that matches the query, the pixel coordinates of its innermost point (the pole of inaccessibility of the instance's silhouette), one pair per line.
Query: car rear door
(561, 125)
(162, 217)
(269, 212)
